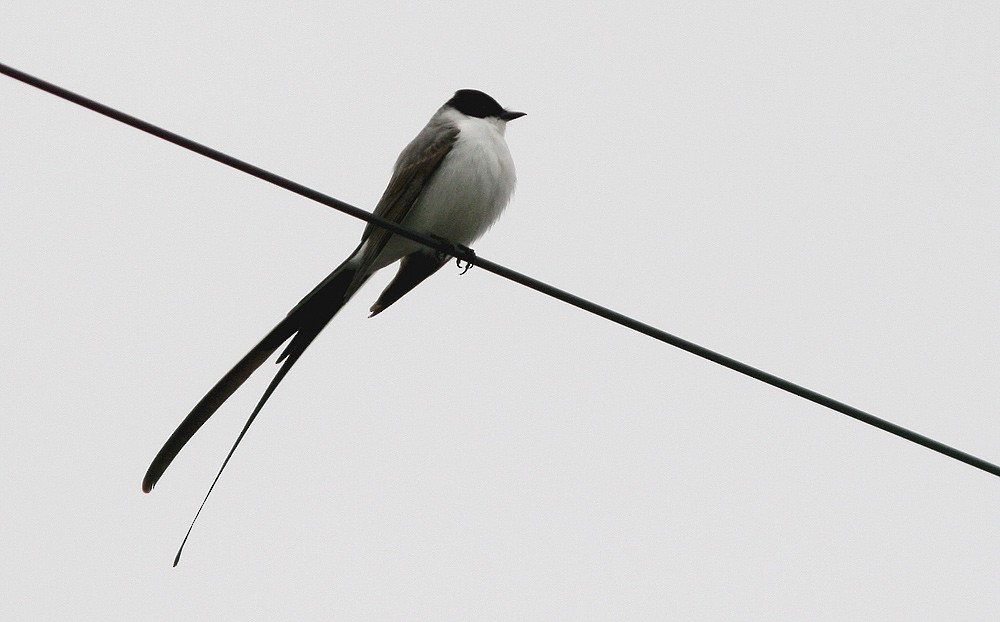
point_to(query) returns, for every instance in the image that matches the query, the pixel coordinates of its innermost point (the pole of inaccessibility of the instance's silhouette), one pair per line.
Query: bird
(451, 182)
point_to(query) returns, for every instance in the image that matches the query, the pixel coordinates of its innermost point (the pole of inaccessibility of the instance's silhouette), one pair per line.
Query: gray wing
(414, 168)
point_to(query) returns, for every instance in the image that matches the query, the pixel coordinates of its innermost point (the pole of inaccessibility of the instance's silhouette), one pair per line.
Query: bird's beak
(510, 115)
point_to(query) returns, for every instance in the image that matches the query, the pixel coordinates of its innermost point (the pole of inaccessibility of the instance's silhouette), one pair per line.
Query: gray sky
(810, 188)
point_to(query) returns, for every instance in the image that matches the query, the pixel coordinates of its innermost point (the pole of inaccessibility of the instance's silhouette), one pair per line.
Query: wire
(468, 255)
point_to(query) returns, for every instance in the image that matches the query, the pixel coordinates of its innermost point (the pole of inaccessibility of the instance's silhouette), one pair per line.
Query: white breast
(472, 186)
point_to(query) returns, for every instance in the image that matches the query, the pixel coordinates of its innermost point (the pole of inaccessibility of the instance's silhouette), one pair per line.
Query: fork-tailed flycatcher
(452, 182)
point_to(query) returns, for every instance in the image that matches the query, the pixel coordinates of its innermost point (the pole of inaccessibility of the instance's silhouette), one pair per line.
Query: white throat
(473, 185)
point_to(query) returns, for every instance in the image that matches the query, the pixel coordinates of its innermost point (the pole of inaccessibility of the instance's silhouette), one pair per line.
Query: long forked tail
(301, 325)
(289, 361)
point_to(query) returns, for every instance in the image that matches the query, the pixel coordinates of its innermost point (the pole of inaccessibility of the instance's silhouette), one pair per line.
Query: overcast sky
(809, 187)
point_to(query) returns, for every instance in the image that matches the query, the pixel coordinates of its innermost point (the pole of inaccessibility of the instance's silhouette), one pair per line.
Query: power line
(467, 255)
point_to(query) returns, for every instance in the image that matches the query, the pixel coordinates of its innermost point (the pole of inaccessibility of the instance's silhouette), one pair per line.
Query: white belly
(470, 189)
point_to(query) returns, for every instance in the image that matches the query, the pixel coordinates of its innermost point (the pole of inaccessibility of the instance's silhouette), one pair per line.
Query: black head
(478, 104)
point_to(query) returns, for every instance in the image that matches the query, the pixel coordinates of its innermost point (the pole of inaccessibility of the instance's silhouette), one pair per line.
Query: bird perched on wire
(451, 182)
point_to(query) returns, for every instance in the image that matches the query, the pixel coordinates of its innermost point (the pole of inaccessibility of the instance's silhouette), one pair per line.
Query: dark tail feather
(214, 399)
(318, 308)
(282, 371)
(302, 324)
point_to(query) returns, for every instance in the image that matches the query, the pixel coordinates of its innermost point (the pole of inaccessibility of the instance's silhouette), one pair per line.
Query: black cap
(478, 104)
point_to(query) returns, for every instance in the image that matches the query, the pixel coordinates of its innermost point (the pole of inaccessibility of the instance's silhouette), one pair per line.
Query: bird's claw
(454, 251)
(470, 257)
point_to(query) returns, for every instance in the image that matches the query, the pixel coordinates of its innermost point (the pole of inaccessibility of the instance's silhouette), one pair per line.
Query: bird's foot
(469, 257)
(464, 256)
